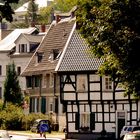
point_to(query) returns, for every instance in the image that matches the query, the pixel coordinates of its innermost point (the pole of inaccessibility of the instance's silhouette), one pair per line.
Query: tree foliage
(32, 11)
(12, 90)
(112, 28)
(64, 5)
(6, 11)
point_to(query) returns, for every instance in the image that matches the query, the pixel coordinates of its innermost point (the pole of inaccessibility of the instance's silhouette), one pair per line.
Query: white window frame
(108, 84)
(22, 48)
(85, 119)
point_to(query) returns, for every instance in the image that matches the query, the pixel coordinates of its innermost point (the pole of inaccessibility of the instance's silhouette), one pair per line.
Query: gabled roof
(78, 56)
(33, 38)
(9, 41)
(56, 38)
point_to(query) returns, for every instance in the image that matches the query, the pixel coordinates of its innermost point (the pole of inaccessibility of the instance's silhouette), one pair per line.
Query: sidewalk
(35, 135)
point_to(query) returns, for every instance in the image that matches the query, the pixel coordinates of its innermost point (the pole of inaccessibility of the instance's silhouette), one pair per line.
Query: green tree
(12, 90)
(6, 11)
(64, 5)
(45, 13)
(112, 28)
(32, 12)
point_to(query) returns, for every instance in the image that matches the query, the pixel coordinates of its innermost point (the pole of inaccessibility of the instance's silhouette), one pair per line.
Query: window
(85, 120)
(34, 104)
(0, 70)
(33, 47)
(18, 70)
(37, 81)
(22, 48)
(108, 83)
(54, 55)
(29, 81)
(39, 56)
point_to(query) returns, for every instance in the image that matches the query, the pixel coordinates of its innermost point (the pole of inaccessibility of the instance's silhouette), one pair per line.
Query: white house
(22, 11)
(17, 47)
(94, 104)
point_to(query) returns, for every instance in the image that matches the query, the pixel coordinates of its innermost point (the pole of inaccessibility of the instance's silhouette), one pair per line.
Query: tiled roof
(55, 38)
(78, 56)
(4, 33)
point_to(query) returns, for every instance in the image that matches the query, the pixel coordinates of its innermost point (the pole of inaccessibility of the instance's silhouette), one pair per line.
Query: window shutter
(56, 105)
(30, 105)
(43, 105)
(92, 121)
(77, 121)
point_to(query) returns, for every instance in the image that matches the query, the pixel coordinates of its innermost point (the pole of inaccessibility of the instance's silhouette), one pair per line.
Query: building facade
(17, 47)
(43, 83)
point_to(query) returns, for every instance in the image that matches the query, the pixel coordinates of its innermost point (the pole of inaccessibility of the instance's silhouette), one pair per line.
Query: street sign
(44, 127)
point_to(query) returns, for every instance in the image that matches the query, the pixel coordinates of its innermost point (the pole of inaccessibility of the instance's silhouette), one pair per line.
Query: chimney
(57, 18)
(43, 28)
(72, 14)
(3, 26)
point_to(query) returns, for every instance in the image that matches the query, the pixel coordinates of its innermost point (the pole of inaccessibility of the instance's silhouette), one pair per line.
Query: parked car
(135, 135)
(4, 135)
(37, 124)
(127, 129)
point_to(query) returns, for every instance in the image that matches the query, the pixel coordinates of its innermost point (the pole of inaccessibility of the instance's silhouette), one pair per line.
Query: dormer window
(54, 55)
(39, 56)
(22, 48)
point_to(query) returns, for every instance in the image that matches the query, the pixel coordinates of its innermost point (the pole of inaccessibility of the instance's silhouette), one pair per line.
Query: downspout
(55, 96)
(40, 92)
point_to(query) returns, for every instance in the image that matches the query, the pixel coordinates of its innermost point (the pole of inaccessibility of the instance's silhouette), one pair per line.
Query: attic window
(39, 56)
(54, 55)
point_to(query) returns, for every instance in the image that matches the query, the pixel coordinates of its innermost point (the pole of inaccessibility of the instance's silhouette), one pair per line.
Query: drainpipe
(55, 96)
(40, 92)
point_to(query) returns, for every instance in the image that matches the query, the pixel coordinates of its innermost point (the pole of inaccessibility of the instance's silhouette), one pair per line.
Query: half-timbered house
(94, 104)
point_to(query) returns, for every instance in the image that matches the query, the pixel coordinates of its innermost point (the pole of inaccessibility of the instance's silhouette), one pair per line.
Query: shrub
(28, 120)
(10, 117)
